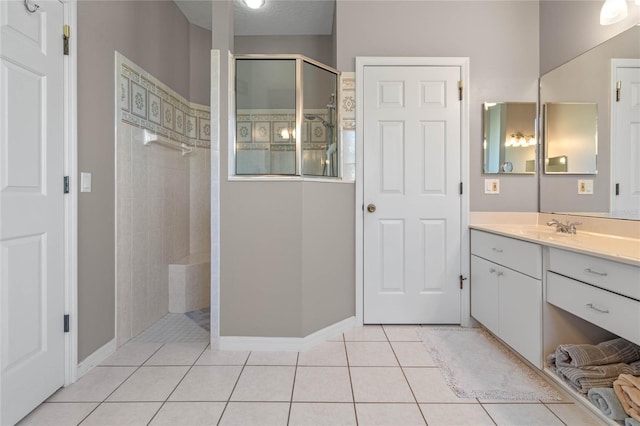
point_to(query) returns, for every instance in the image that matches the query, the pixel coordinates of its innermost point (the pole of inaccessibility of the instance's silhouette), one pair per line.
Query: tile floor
(371, 375)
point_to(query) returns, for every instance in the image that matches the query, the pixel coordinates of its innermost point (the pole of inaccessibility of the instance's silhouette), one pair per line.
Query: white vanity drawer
(515, 254)
(617, 277)
(617, 314)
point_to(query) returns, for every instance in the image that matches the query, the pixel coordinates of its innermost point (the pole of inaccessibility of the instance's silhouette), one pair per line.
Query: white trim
(214, 324)
(70, 8)
(299, 344)
(463, 63)
(96, 358)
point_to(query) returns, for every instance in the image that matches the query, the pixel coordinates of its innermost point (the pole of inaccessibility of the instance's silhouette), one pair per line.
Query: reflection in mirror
(592, 78)
(509, 144)
(570, 138)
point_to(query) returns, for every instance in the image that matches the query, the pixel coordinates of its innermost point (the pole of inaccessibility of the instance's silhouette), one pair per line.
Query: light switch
(585, 186)
(85, 182)
(492, 186)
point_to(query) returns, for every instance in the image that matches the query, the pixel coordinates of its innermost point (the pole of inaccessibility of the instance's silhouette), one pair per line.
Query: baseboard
(96, 358)
(298, 344)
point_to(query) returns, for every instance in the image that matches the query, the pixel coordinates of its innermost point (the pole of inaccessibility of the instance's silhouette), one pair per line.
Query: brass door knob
(371, 208)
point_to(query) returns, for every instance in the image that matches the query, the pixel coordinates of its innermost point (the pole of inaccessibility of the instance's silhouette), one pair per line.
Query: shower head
(311, 117)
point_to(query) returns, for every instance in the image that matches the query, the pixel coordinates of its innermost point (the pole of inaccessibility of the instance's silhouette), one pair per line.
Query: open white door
(412, 201)
(625, 138)
(32, 353)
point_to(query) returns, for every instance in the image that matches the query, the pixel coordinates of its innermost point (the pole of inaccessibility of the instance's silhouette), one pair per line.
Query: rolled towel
(607, 401)
(627, 389)
(631, 422)
(610, 352)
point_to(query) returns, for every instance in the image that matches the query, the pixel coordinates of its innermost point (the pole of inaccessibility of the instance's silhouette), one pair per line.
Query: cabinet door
(520, 314)
(484, 293)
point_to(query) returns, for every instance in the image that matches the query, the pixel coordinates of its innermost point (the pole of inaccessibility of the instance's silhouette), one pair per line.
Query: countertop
(616, 248)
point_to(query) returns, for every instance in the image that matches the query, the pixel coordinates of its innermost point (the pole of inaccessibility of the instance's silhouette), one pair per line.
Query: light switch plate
(585, 186)
(492, 186)
(85, 182)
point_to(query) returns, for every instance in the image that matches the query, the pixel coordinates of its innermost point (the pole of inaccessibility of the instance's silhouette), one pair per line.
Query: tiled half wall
(162, 197)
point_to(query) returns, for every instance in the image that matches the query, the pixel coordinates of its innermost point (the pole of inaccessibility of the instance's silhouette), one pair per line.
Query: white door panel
(625, 149)
(31, 206)
(411, 175)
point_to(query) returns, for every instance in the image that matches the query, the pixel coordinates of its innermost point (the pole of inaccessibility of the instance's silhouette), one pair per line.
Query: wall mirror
(509, 142)
(570, 138)
(591, 79)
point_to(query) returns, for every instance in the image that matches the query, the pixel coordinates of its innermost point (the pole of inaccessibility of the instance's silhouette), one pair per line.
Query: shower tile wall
(348, 124)
(162, 196)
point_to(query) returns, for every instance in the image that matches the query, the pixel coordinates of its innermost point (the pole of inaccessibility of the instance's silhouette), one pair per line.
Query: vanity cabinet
(600, 291)
(506, 291)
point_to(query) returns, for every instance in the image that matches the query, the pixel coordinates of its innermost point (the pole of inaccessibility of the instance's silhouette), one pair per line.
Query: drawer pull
(497, 250)
(600, 274)
(602, 311)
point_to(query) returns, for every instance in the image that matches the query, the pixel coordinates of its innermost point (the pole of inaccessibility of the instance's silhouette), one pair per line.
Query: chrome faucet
(566, 228)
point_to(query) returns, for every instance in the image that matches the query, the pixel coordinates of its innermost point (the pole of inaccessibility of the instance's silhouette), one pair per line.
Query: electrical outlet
(585, 186)
(492, 186)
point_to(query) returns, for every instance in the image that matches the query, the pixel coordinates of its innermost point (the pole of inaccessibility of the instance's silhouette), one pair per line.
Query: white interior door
(625, 143)
(412, 131)
(31, 206)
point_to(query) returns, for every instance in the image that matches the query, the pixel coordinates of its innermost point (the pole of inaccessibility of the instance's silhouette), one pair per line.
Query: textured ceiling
(276, 17)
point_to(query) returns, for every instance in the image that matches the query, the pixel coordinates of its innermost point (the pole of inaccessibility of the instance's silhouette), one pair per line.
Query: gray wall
(501, 39)
(156, 36)
(320, 48)
(570, 27)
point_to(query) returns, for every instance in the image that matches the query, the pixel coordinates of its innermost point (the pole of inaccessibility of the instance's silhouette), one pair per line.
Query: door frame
(70, 76)
(463, 64)
(615, 64)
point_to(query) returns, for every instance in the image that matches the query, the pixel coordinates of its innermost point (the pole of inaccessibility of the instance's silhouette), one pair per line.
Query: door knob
(371, 208)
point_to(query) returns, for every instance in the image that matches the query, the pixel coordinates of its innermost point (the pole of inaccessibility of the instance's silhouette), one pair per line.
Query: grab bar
(149, 137)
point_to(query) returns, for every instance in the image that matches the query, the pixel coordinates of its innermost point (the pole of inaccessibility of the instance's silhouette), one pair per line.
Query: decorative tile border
(348, 100)
(273, 130)
(146, 102)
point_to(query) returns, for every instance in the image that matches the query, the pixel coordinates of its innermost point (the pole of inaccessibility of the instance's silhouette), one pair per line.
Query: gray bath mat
(476, 365)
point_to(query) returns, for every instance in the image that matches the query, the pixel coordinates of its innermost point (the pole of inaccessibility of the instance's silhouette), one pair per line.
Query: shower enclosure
(286, 117)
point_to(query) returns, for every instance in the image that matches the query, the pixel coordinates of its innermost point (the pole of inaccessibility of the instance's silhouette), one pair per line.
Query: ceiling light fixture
(613, 11)
(254, 4)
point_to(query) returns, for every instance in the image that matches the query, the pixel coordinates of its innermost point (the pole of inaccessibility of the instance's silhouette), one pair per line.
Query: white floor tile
(458, 414)
(308, 414)
(322, 384)
(380, 384)
(258, 383)
(132, 354)
(574, 415)
(273, 358)
(255, 413)
(325, 354)
(428, 385)
(389, 414)
(403, 333)
(207, 383)
(58, 414)
(189, 414)
(95, 386)
(210, 357)
(177, 354)
(122, 414)
(521, 415)
(149, 384)
(374, 354)
(412, 354)
(366, 333)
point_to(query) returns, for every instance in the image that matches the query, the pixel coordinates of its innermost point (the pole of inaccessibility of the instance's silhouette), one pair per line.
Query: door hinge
(66, 185)
(618, 87)
(66, 323)
(617, 189)
(66, 35)
(460, 188)
(462, 279)
(460, 87)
